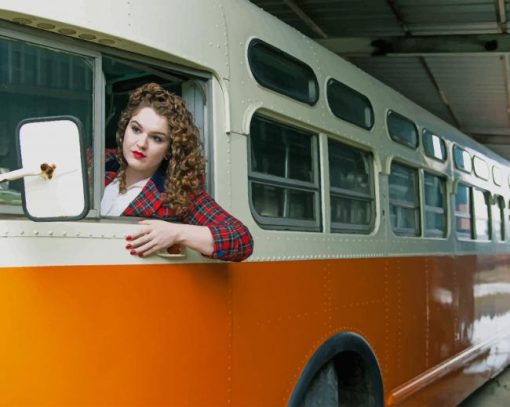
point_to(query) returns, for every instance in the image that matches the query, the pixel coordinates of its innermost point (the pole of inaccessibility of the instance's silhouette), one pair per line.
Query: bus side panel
(114, 335)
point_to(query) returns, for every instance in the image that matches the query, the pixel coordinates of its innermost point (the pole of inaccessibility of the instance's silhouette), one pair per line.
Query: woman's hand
(156, 235)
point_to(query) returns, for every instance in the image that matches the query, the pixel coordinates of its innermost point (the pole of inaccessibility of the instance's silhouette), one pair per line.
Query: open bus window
(404, 200)
(283, 176)
(39, 81)
(435, 205)
(352, 192)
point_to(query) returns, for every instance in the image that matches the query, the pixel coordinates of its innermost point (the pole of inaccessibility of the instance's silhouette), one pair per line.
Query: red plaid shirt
(232, 240)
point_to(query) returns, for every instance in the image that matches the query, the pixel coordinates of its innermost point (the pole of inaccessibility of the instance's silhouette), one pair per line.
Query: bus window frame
(256, 75)
(351, 228)
(282, 223)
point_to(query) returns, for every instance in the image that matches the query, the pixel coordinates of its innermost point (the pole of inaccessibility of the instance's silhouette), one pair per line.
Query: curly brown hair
(186, 164)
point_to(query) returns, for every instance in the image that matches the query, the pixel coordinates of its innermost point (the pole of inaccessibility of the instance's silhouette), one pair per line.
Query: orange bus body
(240, 334)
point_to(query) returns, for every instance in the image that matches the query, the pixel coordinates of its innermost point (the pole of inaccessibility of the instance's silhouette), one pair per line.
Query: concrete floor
(495, 393)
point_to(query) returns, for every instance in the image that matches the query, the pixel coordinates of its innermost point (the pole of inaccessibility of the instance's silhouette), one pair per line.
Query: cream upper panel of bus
(191, 32)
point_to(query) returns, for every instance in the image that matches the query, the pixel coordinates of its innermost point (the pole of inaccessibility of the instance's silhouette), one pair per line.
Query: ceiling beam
(305, 18)
(501, 15)
(495, 140)
(422, 45)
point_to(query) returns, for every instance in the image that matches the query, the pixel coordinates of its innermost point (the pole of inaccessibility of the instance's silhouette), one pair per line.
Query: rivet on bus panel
(46, 26)
(36, 233)
(50, 233)
(21, 20)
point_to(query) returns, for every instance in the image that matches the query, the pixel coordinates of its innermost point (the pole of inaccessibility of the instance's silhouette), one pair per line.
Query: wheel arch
(342, 343)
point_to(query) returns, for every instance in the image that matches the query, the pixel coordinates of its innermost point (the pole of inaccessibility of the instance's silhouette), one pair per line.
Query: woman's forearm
(198, 238)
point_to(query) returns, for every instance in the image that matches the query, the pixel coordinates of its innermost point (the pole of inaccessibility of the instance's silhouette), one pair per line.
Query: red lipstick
(138, 155)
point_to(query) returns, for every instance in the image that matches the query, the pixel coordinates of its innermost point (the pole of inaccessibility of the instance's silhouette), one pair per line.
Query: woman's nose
(142, 141)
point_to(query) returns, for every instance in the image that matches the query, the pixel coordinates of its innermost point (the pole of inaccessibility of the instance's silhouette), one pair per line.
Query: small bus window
(402, 130)
(281, 72)
(463, 221)
(481, 168)
(39, 81)
(498, 224)
(435, 206)
(352, 194)
(350, 105)
(404, 200)
(482, 214)
(497, 177)
(434, 145)
(462, 159)
(284, 176)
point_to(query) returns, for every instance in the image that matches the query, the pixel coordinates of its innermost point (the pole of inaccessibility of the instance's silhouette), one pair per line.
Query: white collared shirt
(114, 203)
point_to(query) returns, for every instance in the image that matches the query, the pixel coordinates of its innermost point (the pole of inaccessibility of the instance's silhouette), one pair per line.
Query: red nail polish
(129, 237)
(128, 246)
(132, 252)
(140, 254)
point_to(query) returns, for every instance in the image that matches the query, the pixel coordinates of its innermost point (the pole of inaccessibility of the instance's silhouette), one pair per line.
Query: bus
(380, 273)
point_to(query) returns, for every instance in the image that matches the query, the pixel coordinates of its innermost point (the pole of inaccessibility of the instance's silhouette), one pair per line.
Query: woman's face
(146, 141)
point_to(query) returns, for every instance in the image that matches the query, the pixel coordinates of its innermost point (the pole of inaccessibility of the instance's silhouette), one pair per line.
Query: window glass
(278, 71)
(402, 130)
(352, 196)
(434, 145)
(462, 159)
(481, 168)
(497, 177)
(404, 200)
(350, 105)
(38, 81)
(482, 224)
(498, 224)
(435, 206)
(463, 221)
(284, 181)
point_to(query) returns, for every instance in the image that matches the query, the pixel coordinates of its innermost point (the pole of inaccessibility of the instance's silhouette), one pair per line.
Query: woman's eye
(135, 129)
(157, 139)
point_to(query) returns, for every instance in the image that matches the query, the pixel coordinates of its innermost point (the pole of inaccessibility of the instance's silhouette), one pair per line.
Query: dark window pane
(402, 130)
(350, 105)
(351, 211)
(435, 208)
(462, 159)
(349, 168)
(281, 151)
(40, 81)
(278, 202)
(463, 211)
(404, 200)
(282, 73)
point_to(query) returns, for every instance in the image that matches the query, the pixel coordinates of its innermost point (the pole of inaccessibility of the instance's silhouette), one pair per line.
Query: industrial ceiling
(449, 56)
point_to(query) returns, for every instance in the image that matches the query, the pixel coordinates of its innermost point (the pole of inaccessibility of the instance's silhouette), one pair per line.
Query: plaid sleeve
(232, 240)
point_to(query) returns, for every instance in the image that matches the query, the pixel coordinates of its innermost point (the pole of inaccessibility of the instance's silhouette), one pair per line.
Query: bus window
(462, 159)
(352, 193)
(349, 105)
(482, 214)
(464, 223)
(39, 81)
(402, 130)
(404, 200)
(435, 205)
(281, 72)
(283, 176)
(498, 218)
(434, 145)
(497, 177)
(481, 168)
